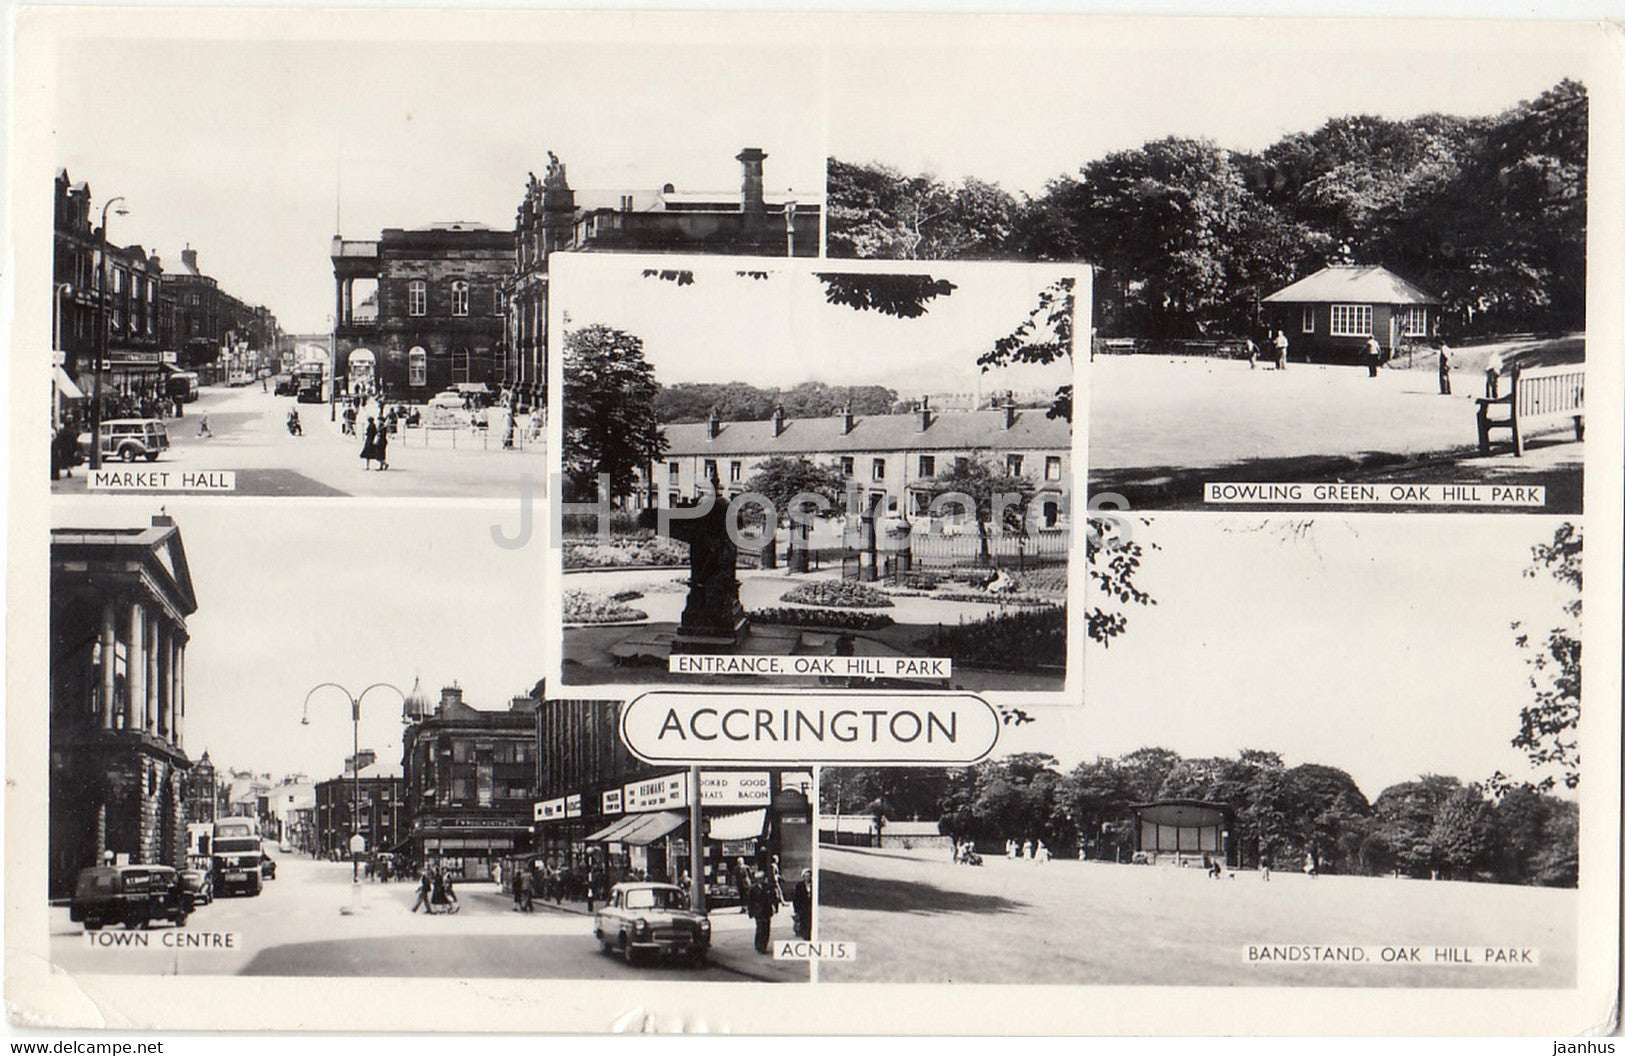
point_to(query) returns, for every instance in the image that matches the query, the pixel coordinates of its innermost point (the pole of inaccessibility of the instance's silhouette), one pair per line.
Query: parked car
(650, 918)
(449, 398)
(129, 439)
(268, 867)
(132, 895)
(199, 884)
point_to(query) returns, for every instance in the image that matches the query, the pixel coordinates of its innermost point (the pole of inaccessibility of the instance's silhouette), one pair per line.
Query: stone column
(171, 685)
(135, 665)
(109, 647)
(180, 693)
(338, 300)
(165, 643)
(149, 709)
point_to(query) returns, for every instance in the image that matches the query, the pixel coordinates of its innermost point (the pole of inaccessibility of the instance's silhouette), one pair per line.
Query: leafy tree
(1535, 838)
(782, 480)
(876, 211)
(609, 419)
(1463, 834)
(736, 401)
(984, 484)
(1403, 829)
(1044, 337)
(1113, 563)
(1549, 726)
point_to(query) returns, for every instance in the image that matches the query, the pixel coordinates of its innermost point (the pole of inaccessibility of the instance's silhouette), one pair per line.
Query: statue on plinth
(712, 619)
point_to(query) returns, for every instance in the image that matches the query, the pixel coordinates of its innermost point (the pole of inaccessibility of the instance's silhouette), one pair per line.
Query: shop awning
(65, 385)
(612, 832)
(740, 825)
(653, 827)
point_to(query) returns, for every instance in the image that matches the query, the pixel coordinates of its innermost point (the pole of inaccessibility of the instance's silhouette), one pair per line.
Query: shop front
(469, 852)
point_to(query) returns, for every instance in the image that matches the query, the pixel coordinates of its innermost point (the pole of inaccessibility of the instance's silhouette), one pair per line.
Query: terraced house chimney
(714, 426)
(778, 419)
(1009, 409)
(847, 421)
(925, 413)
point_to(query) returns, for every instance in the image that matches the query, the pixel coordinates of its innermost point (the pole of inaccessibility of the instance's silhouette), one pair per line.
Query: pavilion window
(1351, 320)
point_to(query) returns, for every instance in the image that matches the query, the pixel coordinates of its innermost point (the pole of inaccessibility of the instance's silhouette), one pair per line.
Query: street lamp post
(355, 758)
(101, 341)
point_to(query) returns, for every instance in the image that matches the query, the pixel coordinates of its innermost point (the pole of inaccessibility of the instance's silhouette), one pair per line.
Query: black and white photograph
(799, 477)
(316, 278)
(384, 767)
(1341, 267)
(1329, 752)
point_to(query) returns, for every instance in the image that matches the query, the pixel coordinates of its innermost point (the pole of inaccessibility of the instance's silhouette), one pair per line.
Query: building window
(1308, 318)
(734, 471)
(672, 471)
(1012, 465)
(1414, 321)
(710, 470)
(877, 469)
(459, 298)
(417, 298)
(1052, 467)
(459, 365)
(417, 366)
(498, 303)
(928, 465)
(847, 467)
(1351, 320)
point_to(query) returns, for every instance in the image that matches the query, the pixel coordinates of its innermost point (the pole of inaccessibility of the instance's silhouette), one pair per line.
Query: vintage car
(649, 918)
(132, 895)
(130, 439)
(199, 883)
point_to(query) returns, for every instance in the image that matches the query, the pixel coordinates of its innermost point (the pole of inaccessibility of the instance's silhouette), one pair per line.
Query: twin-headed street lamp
(101, 341)
(355, 759)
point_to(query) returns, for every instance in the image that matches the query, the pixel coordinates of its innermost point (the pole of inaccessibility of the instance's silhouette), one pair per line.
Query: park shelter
(1179, 831)
(1329, 316)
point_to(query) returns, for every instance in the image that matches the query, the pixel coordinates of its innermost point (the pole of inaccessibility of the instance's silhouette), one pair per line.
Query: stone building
(889, 456)
(554, 218)
(119, 602)
(420, 311)
(470, 783)
(201, 790)
(381, 819)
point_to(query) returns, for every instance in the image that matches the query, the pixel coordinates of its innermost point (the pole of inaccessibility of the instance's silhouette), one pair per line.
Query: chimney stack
(925, 413)
(778, 419)
(714, 426)
(1009, 409)
(750, 160)
(846, 416)
(452, 694)
(189, 258)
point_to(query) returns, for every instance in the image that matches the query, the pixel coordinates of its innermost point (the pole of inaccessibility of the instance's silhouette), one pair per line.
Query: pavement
(1162, 426)
(250, 437)
(312, 921)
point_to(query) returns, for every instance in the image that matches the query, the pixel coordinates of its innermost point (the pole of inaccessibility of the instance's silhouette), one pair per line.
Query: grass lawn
(917, 917)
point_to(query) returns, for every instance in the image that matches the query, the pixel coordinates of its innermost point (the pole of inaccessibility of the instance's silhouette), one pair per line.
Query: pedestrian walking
(425, 889)
(801, 905)
(1280, 349)
(762, 906)
(1310, 868)
(742, 884)
(203, 430)
(1252, 354)
(527, 891)
(1264, 866)
(369, 445)
(1444, 370)
(1492, 375)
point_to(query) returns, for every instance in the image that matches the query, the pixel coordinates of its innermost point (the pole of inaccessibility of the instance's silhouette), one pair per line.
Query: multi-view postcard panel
(904, 546)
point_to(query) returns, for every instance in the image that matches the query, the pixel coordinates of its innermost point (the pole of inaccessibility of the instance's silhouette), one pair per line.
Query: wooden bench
(1538, 399)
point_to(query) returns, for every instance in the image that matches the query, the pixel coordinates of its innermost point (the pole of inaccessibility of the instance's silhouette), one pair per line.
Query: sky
(254, 150)
(247, 151)
(782, 331)
(1380, 644)
(288, 599)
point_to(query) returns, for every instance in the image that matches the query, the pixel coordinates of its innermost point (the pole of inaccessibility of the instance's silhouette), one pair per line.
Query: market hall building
(120, 598)
(600, 804)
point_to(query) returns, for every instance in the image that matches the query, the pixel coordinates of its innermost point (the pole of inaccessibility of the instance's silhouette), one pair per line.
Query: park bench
(1538, 399)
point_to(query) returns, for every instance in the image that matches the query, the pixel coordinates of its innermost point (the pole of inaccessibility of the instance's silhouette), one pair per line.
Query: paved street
(250, 436)
(306, 924)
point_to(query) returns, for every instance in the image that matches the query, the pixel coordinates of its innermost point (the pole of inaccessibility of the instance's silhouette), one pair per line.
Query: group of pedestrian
(436, 892)
(965, 852)
(375, 448)
(1033, 850)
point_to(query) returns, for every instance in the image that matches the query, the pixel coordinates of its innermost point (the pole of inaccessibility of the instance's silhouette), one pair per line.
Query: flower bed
(623, 553)
(581, 606)
(976, 597)
(831, 619)
(837, 594)
(1011, 641)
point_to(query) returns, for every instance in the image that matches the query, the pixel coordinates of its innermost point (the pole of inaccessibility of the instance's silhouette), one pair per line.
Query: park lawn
(916, 917)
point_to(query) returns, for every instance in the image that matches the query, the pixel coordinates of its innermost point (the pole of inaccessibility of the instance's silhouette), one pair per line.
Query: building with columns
(120, 598)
